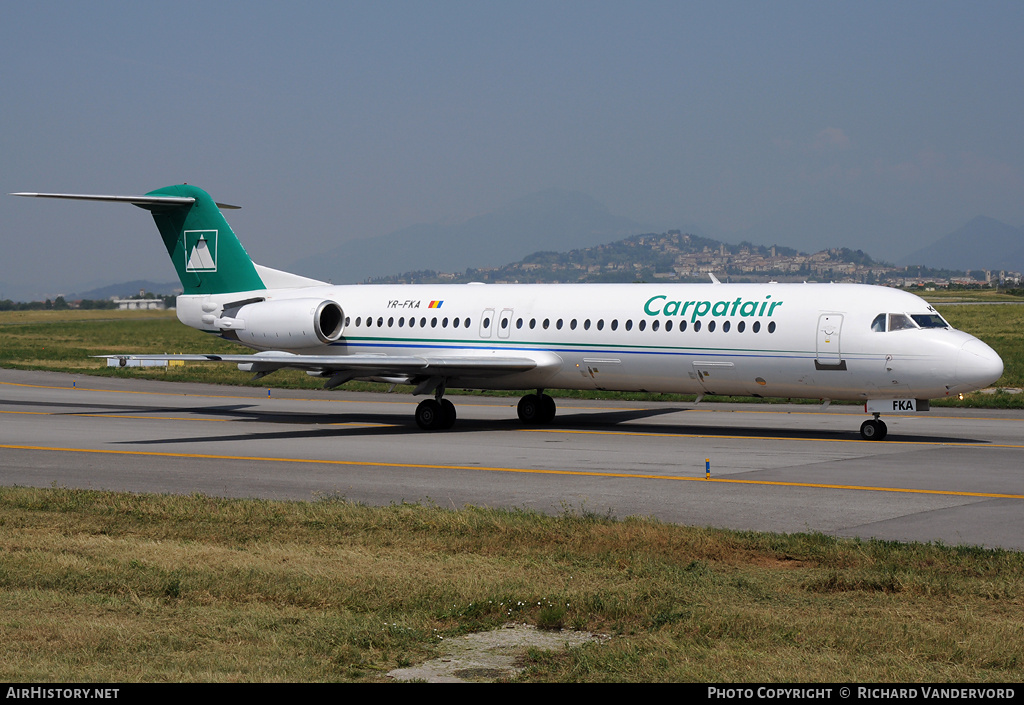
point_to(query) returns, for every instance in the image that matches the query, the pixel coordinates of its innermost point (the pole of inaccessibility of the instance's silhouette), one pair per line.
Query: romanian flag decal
(435, 304)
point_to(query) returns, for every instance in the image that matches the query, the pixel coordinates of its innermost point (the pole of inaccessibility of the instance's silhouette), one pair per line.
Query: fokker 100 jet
(884, 347)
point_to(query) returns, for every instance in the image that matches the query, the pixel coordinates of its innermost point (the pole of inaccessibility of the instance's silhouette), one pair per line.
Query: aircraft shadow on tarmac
(351, 424)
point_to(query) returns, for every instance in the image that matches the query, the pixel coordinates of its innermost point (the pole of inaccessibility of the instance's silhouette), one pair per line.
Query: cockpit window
(929, 320)
(900, 321)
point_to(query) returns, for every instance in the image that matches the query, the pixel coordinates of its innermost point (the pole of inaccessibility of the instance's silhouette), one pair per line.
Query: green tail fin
(206, 254)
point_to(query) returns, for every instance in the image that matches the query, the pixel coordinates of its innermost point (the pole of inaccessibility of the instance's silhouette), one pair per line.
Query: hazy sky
(339, 120)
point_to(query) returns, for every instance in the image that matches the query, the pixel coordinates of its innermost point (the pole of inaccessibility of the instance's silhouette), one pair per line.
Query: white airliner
(885, 347)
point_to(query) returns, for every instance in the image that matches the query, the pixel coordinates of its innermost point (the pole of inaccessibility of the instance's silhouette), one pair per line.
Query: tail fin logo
(200, 250)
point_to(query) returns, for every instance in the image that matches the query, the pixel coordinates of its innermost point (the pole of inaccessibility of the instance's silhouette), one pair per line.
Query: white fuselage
(778, 340)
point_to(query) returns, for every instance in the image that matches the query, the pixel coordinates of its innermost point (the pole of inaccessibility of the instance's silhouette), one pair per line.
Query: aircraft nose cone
(978, 365)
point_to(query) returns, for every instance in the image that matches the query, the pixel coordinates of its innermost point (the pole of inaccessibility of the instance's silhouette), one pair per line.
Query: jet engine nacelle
(287, 323)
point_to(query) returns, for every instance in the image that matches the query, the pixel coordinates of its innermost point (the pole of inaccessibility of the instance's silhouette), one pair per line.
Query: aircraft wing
(342, 368)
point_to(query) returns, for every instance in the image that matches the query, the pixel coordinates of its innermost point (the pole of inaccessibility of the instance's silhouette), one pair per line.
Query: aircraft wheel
(430, 415)
(547, 409)
(448, 414)
(873, 430)
(536, 409)
(529, 409)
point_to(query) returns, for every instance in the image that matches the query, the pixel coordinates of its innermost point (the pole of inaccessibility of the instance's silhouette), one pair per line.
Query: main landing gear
(873, 429)
(438, 414)
(536, 409)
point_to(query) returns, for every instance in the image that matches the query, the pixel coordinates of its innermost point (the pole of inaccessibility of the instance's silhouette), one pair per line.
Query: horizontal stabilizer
(141, 201)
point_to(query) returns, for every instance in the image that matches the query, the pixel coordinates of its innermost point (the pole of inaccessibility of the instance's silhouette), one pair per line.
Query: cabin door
(829, 355)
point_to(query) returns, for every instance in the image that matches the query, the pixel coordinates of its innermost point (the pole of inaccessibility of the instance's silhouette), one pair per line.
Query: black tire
(448, 414)
(883, 430)
(529, 410)
(547, 409)
(429, 415)
(873, 430)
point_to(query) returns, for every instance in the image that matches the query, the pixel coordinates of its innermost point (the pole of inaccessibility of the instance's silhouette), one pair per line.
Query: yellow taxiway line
(531, 471)
(723, 436)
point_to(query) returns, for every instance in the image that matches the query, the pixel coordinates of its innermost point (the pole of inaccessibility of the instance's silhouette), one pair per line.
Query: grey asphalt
(949, 475)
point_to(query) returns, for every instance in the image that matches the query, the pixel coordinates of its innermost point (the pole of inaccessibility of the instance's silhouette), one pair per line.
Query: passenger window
(711, 326)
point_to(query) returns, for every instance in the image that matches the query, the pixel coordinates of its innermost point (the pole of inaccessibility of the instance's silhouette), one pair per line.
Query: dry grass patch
(121, 587)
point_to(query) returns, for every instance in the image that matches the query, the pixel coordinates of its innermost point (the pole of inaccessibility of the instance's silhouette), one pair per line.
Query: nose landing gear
(873, 429)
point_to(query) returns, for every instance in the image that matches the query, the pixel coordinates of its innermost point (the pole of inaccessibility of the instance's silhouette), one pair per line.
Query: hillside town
(676, 256)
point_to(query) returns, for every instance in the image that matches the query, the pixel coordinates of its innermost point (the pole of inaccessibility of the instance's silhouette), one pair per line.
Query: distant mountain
(983, 243)
(124, 289)
(549, 220)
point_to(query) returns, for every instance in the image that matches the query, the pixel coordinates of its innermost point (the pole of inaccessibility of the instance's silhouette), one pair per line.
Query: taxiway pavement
(950, 475)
